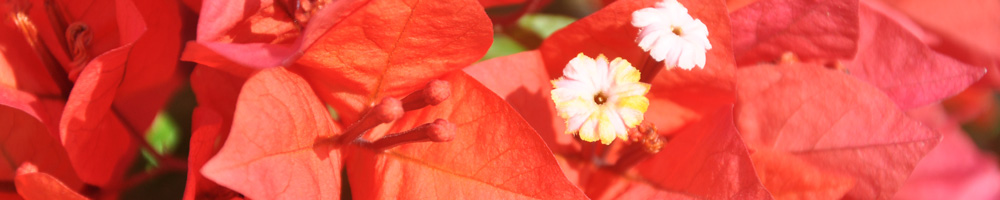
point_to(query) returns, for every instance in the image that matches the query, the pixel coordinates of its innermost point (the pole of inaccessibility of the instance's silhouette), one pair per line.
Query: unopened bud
(439, 131)
(388, 110)
(437, 91)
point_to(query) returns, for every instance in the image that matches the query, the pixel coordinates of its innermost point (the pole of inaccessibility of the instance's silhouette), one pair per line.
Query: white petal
(648, 36)
(630, 116)
(601, 81)
(661, 47)
(574, 123)
(645, 17)
(619, 125)
(625, 90)
(588, 130)
(606, 131)
(700, 59)
(686, 57)
(580, 68)
(567, 94)
(656, 35)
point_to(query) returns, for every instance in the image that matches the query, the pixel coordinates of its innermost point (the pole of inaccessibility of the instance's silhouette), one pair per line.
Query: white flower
(671, 35)
(598, 99)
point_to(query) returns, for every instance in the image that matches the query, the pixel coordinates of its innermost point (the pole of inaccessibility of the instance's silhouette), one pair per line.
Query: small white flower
(671, 35)
(598, 99)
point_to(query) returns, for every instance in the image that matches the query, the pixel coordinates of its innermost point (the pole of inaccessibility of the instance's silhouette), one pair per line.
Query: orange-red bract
(36, 80)
(347, 55)
(812, 29)
(27, 140)
(91, 132)
(275, 149)
(790, 177)
(727, 174)
(693, 106)
(681, 96)
(708, 160)
(365, 50)
(872, 47)
(495, 154)
(111, 85)
(206, 140)
(955, 169)
(895, 61)
(832, 121)
(968, 30)
(32, 184)
(391, 48)
(216, 92)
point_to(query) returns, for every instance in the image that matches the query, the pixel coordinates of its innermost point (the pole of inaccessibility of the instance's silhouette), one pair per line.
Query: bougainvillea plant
(374, 62)
(82, 80)
(393, 99)
(689, 117)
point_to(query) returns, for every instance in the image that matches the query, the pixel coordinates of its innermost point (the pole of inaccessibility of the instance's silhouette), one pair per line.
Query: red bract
(32, 184)
(371, 58)
(691, 107)
(790, 177)
(495, 154)
(896, 62)
(216, 93)
(109, 61)
(812, 29)
(348, 54)
(276, 127)
(727, 174)
(886, 54)
(682, 96)
(491, 154)
(816, 126)
(832, 121)
(967, 30)
(206, 140)
(283, 143)
(28, 139)
(956, 169)
(496, 3)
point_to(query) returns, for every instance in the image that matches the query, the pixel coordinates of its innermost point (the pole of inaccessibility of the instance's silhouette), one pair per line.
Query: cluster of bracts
(389, 99)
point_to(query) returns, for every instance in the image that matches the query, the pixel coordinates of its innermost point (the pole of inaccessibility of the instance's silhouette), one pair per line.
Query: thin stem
(649, 69)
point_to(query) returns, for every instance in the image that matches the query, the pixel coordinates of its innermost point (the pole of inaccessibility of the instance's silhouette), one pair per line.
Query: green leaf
(163, 136)
(502, 45)
(544, 24)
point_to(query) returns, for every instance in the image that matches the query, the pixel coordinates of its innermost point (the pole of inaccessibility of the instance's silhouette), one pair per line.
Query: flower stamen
(27, 27)
(438, 131)
(436, 92)
(600, 98)
(646, 143)
(388, 110)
